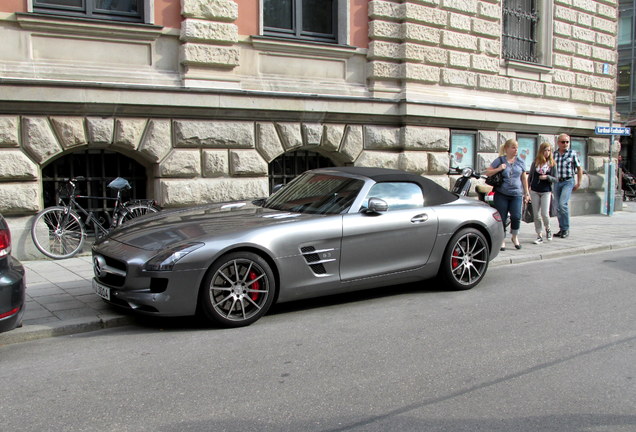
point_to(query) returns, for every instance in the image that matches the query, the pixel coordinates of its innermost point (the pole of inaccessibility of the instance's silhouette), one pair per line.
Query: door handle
(419, 218)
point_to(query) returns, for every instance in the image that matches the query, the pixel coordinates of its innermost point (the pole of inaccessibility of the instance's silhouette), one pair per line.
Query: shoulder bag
(496, 179)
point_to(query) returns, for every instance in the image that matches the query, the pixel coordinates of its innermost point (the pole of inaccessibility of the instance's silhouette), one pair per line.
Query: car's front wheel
(238, 289)
(465, 260)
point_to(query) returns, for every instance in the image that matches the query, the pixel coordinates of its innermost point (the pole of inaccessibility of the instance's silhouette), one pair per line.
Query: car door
(396, 240)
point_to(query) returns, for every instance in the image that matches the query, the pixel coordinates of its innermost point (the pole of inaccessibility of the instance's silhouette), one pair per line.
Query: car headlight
(166, 260)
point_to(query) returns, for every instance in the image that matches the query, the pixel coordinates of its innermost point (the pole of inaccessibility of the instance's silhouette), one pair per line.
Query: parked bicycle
(59, 231)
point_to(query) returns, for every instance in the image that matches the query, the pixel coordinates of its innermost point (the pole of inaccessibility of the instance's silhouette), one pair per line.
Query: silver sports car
(328, 231)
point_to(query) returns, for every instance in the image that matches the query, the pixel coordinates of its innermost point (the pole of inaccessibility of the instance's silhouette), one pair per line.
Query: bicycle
(59, 232)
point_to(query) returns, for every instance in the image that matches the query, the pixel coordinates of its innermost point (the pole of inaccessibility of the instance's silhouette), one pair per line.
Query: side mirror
(377, 205)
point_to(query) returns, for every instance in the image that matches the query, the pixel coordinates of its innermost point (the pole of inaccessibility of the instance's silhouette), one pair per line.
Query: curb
(75, 326)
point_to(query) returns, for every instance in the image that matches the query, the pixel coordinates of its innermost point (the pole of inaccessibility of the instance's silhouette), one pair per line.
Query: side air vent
(314, 261)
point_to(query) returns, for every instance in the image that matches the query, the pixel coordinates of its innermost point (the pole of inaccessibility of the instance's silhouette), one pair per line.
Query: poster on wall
(578, 147)
(462, 150)
(527, 150)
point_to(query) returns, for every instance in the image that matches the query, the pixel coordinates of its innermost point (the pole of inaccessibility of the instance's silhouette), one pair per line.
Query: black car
(12, 283)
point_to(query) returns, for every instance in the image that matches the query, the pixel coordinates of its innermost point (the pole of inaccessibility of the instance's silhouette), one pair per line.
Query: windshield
(316, 194)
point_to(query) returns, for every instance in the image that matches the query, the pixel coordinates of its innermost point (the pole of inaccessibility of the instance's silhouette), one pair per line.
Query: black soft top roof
(434, 194)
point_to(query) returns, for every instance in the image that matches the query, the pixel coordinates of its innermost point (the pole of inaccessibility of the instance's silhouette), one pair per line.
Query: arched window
(99, 167)
(288, 165)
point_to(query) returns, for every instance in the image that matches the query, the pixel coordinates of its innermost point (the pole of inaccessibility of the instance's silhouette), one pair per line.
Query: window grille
(284, 168)
(99, 167)
(520, 18)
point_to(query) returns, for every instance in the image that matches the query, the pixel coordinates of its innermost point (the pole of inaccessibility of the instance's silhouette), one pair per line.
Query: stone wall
(457, 44)
(191, 162)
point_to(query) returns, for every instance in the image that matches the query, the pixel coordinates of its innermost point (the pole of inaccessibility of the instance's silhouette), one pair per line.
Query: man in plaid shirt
(567, 165)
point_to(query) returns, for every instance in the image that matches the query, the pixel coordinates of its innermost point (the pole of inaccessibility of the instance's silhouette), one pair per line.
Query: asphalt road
(545, 346)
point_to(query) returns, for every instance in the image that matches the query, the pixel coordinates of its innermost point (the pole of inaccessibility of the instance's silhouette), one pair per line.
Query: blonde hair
(541, 159)
(508, 143)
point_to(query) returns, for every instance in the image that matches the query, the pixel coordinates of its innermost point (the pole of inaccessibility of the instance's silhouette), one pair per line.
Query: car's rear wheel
(238, 289)
(465, 260)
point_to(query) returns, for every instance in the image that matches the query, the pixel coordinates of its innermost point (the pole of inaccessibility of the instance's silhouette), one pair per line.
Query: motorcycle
(462, 186)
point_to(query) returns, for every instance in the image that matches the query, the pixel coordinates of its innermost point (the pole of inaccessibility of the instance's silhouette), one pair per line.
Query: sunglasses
(566, 142)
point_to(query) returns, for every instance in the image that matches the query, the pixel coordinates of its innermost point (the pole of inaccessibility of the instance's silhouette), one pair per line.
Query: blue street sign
(606, 130)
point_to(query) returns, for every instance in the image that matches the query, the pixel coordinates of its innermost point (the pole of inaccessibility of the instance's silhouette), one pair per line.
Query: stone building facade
(205, 100)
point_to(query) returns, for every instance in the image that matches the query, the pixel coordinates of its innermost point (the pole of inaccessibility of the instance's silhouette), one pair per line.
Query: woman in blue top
(514, 190)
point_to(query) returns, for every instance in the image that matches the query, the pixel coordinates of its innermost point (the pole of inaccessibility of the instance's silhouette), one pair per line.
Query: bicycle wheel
(58, 233)
(135, 210)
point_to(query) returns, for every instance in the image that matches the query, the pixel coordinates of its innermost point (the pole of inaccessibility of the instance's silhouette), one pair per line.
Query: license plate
(101, 290)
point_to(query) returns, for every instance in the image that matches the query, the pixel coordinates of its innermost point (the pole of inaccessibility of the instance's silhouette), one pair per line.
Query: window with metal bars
(520, 30)
(99, 167)
(287, 166)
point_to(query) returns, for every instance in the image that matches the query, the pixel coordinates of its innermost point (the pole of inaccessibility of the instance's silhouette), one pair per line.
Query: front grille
(112, 279)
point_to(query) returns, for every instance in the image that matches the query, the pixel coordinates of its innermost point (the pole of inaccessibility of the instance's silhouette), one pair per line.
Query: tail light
(5, 242)
(496, 215)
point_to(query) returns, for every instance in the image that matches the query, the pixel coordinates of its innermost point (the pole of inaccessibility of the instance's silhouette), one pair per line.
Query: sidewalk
(60, 299)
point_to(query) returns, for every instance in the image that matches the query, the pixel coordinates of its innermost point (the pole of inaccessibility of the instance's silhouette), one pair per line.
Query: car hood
(170, 227)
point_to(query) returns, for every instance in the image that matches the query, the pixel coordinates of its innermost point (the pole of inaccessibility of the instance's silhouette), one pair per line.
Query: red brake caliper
(455, 259)
(255, 286)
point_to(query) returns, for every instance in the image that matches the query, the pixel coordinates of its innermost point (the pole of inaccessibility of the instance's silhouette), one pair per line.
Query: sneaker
(565, 234)
(539, 240)
(558, 234)
(548, 235)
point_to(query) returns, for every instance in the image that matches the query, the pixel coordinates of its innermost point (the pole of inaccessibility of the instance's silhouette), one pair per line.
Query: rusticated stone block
(419, 33)
(290, 135)
(381, 137)
(209, 55)
(39, 140)
(100, 131)
(526, 87)
(468, 7)
(557, 92)
(205, 31)
(426, 15)
(425, 54)
(384, 50)
(485, 159)
(600, 146)
(487, 141)
(385, 30)
(459, 78)
(384, 70)
(128, 132)
(332, 137)
(156, 143)
(582, 95)
(386, 10)
(438, 162)
(70, 131)
(596, 164)
(219, 134)
(218, 10)
(268, 143)
(421, 73)
(461, 41)
(352, 144)
(9, 131)
(216, 163)
(181, 192)
(425, 138)
(311, 134)
(414, 162)
(247, 163)
(19, 198)
(17, 166)
(370, 158)
(181, 163)
(604, 98)
(493, 83)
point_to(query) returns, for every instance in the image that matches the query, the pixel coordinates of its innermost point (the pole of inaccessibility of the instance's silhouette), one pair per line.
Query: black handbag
(496, 179)
(527, 213)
